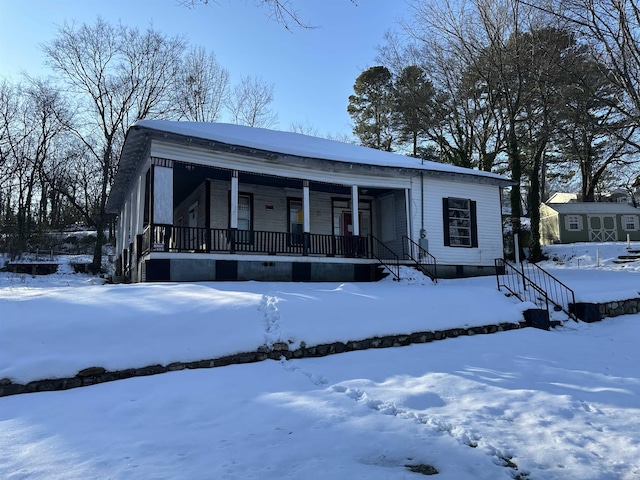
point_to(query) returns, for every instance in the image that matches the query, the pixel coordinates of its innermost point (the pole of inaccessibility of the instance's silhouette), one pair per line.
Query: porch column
(407, 202)
(140, 205)
(162, 211)
(306, 217)
(306, 220)
(161, 202)
(234, 200)
(233, 217)
(355, 220)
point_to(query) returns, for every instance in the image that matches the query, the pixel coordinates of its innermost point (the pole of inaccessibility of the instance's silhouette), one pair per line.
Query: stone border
(594, 312)
(95, 375)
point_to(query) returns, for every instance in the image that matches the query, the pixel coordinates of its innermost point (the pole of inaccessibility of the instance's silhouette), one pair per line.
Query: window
(574, 223)
(630, 222)
(460, 224)
(245, 219)
(296, 221)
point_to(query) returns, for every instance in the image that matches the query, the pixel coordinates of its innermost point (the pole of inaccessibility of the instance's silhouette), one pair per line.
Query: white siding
(269, 207)
(489, 220)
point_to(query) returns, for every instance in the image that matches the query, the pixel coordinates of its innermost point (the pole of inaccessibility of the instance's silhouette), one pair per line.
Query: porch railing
(425, 262)
(171, 238)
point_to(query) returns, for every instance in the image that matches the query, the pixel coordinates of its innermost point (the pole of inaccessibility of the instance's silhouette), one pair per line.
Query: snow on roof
(296, 144)
(592, 207)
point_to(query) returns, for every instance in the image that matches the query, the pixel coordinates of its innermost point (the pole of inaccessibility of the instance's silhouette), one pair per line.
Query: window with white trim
(460, 225)
(574, 223)
(630, 223)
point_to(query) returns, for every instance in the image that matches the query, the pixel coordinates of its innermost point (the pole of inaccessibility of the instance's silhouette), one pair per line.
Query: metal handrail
(425, 262)
(529, 276)
(519, 285)
(385, 256)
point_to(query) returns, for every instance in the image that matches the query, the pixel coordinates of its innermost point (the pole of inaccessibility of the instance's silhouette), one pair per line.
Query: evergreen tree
(372, 107)
(414, 106)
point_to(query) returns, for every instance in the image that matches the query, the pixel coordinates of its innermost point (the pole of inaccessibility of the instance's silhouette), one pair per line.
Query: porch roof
(593, 208)
(271, 144)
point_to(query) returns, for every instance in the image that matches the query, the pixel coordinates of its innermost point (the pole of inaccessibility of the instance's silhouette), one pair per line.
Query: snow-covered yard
(555, 405)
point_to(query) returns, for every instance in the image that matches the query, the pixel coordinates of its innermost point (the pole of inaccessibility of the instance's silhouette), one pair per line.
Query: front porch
(172, 238)
(233, 220)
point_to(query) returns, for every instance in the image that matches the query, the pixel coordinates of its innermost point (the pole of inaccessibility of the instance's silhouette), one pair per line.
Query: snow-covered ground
(562, 404)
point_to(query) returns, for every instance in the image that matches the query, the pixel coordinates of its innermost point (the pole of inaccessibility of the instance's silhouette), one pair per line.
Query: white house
(206, 201)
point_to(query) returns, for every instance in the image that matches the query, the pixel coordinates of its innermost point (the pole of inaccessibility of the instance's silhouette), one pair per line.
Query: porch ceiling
(188, 177)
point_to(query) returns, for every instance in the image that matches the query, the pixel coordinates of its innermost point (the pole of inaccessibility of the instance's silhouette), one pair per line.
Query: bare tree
(282, 11)
(202, 88)
(613, 30)
(305, 128)
(117, 75)
(249, 103)
(29, 126)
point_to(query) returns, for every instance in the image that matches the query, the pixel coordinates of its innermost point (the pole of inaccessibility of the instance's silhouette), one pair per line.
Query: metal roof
(269, 144)
(593, 208)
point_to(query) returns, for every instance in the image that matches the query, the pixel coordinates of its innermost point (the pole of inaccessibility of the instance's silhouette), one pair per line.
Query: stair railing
(385, 256)
(518, 285)
(425, 262)
(531, 276)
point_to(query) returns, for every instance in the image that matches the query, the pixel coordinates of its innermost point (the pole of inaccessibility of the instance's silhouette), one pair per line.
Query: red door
(347, 224)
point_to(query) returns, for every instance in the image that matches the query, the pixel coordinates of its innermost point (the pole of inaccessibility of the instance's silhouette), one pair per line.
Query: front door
(602, 228)
(347, 224)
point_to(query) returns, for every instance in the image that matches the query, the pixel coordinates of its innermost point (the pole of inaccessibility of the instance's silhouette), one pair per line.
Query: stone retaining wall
(622, 307)
(95, 375)
(594, 312)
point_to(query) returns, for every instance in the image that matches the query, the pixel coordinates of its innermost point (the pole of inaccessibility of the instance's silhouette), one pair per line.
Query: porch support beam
(233, 214)
(162, 211)
(407, 202)
(306, 218)
(234, 200)
(355, 219)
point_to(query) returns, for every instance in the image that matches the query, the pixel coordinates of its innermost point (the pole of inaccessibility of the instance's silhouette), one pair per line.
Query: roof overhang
(138, 143)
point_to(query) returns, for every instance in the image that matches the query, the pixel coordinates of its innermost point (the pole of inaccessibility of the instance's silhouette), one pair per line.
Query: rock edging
(96, 375)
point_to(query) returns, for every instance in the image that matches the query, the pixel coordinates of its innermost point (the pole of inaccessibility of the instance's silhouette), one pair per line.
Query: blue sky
(313, 70)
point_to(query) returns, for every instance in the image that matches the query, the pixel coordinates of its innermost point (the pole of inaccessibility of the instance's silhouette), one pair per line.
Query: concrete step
(626, 260)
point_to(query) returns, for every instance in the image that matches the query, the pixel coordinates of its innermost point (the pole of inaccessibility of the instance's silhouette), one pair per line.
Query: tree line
(547, 92)
(60, 136)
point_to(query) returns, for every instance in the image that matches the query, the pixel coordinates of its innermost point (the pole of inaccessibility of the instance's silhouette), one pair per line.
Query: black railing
(425, 262)
(385, 256)
(532, 283)
(171, 238)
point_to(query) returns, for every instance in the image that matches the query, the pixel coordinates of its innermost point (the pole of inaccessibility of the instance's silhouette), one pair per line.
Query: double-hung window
(460, 223)
(630, 223)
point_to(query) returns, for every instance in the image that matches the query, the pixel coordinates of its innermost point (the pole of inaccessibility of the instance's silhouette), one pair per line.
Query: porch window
(296, 221)
(630, 223)
(574, 223)
(244, 219)
(460, 224)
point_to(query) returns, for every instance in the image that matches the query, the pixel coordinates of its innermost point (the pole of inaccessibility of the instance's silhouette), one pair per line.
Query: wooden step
(629, 257)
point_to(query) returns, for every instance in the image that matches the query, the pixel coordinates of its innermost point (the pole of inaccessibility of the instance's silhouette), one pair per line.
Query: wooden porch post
(207, 215)
(306, 217)
(355, 220)
(233, 219)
